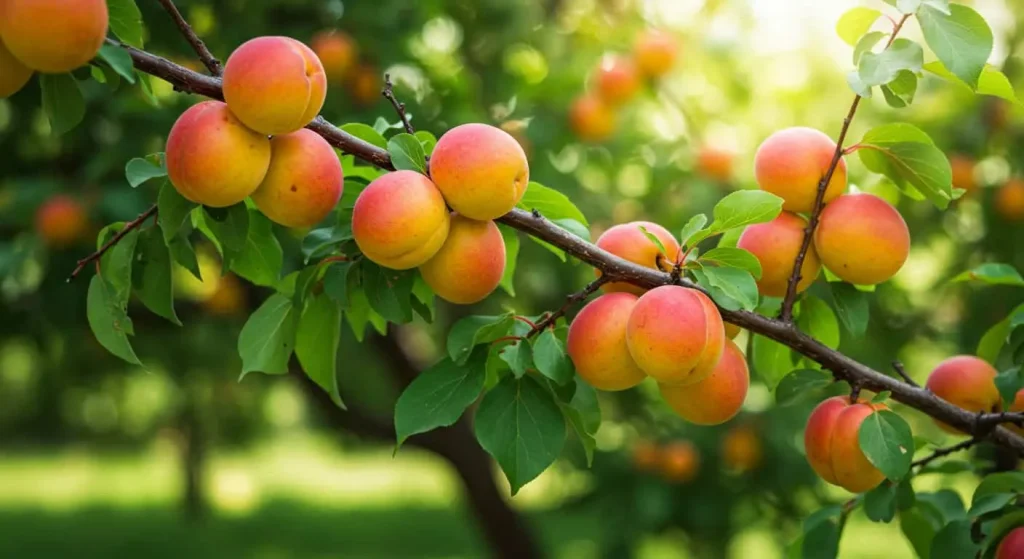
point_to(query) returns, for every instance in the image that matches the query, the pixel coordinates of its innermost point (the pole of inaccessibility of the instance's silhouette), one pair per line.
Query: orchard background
(165, 451)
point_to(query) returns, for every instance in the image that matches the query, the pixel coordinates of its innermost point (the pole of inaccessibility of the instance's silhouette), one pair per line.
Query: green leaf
(182, 252)
(108, 320)
(172, 210)
(852, 306)
(336, 282)
(549, 247)
(1002, 482)
(908, 156)
(992, 81)
(883, 67)
(438, 396)
(551, 358)
(855, 23)
(475, 330)
(230, 227)
(116, 263)
(261, 257)
(696, 223)
(317, 338)
(800, 383)
(389, 291)
(817, 319)
(954, 541)
(991, 503)
(518, 356)
(961, 39)
(992, 273)
(900, 91)
(268, 337)
(881, 397)
(731, 288)
(857, 85)
(865, 44)
(151, 275)
(887, 443)
(821, 535)
(366, 133)
(119, 60)
(1009, 382)
(407, 153)
(654, 240)
(771, 360)
(427, 139)
(511, 238)
(322, 241)
(735, 258)
(126, 21)
(62, 101)
(521, 426)
(551, 203)
(739, 209)
(423, 298)
(880, 503)
(139, 170)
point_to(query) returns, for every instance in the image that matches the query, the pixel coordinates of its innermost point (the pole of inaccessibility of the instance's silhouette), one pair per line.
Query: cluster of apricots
(339, 54)
(402, 220)
(672, 334)
(860, 238)
(255, 145)
(616, 81)
(48, 36)
(1008, 201)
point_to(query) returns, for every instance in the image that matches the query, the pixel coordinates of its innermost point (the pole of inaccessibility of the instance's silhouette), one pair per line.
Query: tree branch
(939, 453)
(133, 224)
(898, 367)
(618, 269)
(205, 56)
(389, 94)
(571, 300)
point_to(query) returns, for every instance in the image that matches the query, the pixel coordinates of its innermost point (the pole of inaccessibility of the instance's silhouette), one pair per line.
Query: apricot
(655, 53)
(715, 163)
(675, 335)
(53, 36)
(1017, 406)
(628, 241)
(617, 80)
(336, 51)
(481, 170)
(304, 181)
(1009, 200)
(645, 456)
(731, 330)
(212, 158)
(741, 449)
(597, 343)
(591, 119)
(227, 299)
(61, 221)
(400, 221)
(1012, 545)
(13, 74)
(963, 172)
(470, 263)
(833, 445)
(717, 398)
(791, 162)
(680, 461)
(776, 244)
(365, 85)
(965, 381)
(862, 239)
(275, 85)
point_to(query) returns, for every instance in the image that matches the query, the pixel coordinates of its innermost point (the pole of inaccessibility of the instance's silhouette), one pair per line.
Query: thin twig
(575, 298)
(939, 453)
(786, 315)
(898, 366)
(207, 58)
(389, 94)
(133, 224)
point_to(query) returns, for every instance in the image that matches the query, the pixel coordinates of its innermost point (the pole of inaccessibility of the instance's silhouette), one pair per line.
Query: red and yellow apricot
(731, 330)
(776, 244)
(400, 221)
(680, 462)
(645, 456)
(963, 172)
(965, 381)
(1012, 545)
(717, 398)
(741, 449)
(364, 85)
(715, 163)
(61, 221)
(337, 53)
(13, 74)
(304, 181)
(655, 53)
(591, 119)
(1009, 200)
(275, 85)
(481, 170)
(470, 263)
(628, 241)
(616, 80)
(791, 162)
(862, 239)
(53, 36)
(833, 445)
(212, 158)
(596, 343)
(675, 335)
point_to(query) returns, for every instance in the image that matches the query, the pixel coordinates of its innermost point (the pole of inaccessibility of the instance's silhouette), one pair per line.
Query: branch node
(854, 392)
(898, 367)
(205, 56)
(551, 318)
(389, 93)
(95, 257)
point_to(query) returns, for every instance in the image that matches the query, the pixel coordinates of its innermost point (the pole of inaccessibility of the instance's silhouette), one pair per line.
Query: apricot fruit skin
(742, 449)
(617, 80)
(1009, 200)
(596, 343)
(212, 158)
(62, 221)
(715, 163)
(1012, 545)
(53, 36)
(776, 244)
(470, 263)
(655, 53)
(275, 85)
(862, 239)
(628, 241)
(304, 181)
(965, 381)
(481, 170)
(832, 442)
(675, 335)
(591, 119)
(400, 221)
(717, 398)
(337, 52)
(791, 162)
(13, 74)
(963, 172)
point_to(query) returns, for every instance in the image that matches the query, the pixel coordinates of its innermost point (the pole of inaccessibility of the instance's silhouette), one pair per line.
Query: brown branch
(939, 453)
(575, 298)
(205, 56)
(389, 94)
(898, 367)
(618, 269)
(133, 224)
(786, 314)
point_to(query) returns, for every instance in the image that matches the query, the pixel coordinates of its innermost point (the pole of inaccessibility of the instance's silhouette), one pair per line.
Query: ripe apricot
(776, 245)
(628, 241)
(400, 221)
(212, 158)
(13, 74)
(481, 170)
(717, 398)
(470, 263)
(963, 172)
(1009, 200)
(655, 53)
(680, 461)
(675, 335)
(228, 299)
(275, 85)
(61, 221)
(53, 36)
(646, 456)
(617, 80)
(731, 330)
(862, 239)
(833, 445)
(741, 449)
(715, 163)
(304, 181)
(791, 162)
(337, 52)
(597, 343)
(591, 119)
(365, 85)
(1012, 545)
(965, 381)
